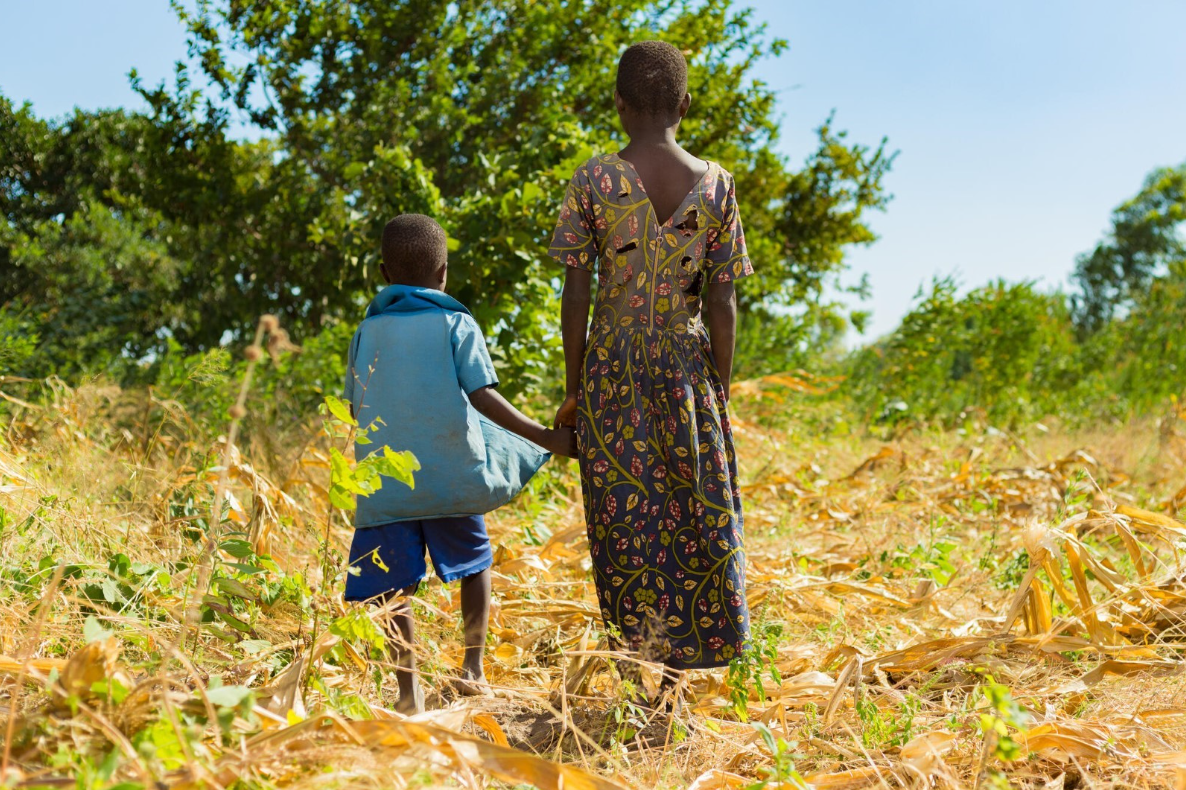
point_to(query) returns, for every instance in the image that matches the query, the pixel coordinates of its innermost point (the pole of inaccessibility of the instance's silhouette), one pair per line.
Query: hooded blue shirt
(414, 360)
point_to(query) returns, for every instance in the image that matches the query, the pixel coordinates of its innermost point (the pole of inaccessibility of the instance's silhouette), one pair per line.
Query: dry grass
(946, 601)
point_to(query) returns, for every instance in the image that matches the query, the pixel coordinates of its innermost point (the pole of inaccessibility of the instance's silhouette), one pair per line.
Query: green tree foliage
(789, 317)
(474, 112)
(1144, 241)
(118, 228)
(1144, 353)
(1013, 353)
(1005, 349)
(495, 104)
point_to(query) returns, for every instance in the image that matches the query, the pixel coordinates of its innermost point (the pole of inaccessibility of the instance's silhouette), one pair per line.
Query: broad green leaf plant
(364, 477)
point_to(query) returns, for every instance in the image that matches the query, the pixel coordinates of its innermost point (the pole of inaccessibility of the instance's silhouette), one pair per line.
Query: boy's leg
(401, 633)
(460, 550)
(475, 613)
(388, 563)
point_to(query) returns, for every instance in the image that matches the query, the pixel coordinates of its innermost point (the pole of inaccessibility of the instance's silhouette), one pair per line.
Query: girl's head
(652, 89)
(415, 252)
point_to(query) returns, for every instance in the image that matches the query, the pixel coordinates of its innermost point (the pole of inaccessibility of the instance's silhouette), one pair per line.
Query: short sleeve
(573, 242)
(726, 255)
(475, 370)
(351, 374)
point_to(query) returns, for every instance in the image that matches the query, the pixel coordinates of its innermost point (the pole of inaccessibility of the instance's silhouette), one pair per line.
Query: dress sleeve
(475, 370)
(573, 242)
(726, 256)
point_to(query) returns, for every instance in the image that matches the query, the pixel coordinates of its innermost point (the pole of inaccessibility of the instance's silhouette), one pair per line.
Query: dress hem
(702, 665)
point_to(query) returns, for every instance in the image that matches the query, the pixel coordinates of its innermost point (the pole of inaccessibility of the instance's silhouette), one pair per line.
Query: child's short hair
(414, 246)
(652, 78)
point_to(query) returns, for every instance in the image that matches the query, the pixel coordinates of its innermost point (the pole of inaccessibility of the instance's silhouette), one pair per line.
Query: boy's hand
(562, 441)
(567, 413)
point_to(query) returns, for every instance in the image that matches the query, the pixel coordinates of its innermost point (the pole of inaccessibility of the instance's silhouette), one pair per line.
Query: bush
(1005, 349)
(1144, 353)
(18, 343)
(285, 393)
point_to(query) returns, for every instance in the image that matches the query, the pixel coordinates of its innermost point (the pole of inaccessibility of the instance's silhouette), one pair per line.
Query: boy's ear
(684, 104)
(384, 273)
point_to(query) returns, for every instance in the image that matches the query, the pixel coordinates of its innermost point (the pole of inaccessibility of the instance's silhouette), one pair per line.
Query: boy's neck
(433, 286)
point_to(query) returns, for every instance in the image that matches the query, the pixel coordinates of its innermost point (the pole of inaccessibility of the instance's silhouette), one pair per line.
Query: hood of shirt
(412, 299)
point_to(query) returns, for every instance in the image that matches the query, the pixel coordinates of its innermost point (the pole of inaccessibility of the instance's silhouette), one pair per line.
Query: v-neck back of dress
(687, 195)
(651, 275)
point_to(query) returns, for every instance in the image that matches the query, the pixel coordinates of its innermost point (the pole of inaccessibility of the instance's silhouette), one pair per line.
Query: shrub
(1006, 349)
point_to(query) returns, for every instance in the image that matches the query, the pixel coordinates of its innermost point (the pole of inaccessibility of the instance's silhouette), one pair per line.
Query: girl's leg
(475, 612)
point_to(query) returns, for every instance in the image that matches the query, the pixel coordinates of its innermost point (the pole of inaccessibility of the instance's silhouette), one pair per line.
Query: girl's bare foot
(469, 684)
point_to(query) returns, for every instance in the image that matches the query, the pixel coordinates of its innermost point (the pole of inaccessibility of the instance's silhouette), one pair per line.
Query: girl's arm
(574, 326)
(720, 316)
(496, 408)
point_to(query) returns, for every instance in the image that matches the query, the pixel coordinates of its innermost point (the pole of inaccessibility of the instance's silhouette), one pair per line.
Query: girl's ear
(619, 103)
(685, 104)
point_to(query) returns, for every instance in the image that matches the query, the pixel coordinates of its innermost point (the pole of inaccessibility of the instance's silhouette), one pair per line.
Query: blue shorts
(390, 558)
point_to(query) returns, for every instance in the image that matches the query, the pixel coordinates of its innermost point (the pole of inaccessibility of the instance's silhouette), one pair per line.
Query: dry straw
(908, 579)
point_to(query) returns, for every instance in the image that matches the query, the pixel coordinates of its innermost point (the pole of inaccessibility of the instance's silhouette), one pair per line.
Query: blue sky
(1020, 124)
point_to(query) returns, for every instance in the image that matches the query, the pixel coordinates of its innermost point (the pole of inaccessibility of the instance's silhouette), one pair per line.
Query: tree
(474, 112)
(488, 107)
(1144, 241)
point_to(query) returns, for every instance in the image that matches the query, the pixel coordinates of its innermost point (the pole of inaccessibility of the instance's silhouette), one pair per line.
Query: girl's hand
(567, 413)
(562, 441)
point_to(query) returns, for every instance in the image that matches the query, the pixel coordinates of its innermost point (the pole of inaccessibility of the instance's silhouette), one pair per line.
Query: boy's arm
(496, 408)
(574, 327)
(720, 315)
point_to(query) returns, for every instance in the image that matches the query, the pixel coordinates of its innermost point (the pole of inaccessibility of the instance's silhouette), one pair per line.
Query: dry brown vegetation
(948, 609)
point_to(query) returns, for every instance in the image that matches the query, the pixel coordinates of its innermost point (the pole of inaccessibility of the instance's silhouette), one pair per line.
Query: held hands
(562, 435)
(567, 413)
(561, 441)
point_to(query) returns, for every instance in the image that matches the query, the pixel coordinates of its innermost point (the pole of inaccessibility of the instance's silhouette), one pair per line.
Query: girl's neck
(663, 137)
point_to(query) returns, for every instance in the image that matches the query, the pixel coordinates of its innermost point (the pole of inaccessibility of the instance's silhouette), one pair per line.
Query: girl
(647, 387)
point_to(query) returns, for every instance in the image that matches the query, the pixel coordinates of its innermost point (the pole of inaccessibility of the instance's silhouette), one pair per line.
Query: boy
(419, 364)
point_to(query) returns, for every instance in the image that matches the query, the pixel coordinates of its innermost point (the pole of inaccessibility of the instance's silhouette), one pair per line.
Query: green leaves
(749, 670)
(399, 465)
(339, 410)
(93, 630)
(1144, 243)
(359, 629)
(366, 476)
(1002, 716)
(781, 772)
(1005, 350)
(228, 696)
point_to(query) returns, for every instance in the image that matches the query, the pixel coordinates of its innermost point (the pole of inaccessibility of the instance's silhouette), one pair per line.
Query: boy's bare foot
(410, 704)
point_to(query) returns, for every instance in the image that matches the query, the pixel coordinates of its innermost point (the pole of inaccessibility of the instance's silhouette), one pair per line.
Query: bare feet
(410, 703)
(470, 685)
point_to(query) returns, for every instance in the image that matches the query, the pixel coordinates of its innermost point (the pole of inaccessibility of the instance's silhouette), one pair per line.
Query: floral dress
(658, 470)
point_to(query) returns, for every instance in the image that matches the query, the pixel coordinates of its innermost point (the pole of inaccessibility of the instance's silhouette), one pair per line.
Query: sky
(1020, 125)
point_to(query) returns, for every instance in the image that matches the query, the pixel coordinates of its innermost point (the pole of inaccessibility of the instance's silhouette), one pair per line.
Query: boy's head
(414, 252)
(652, 84)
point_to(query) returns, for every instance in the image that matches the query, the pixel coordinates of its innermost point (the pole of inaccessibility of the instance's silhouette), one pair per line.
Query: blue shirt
(414, 360)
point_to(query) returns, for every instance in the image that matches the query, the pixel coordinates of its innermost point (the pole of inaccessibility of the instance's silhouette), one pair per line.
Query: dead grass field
(953, 609)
